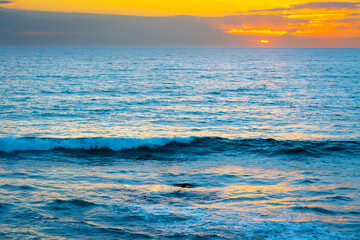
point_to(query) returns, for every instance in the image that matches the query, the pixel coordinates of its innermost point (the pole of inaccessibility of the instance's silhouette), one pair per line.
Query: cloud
(315, 5)
(308, 20)
(270, 10)
(5, 2)
(300, 25)
(327, 5)
(257, 24)
(45, 28)
(251, 31)
(348, 20)
(74, 29)
(256, 19)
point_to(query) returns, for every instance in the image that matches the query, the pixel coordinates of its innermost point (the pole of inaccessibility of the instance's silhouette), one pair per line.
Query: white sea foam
(10, 144)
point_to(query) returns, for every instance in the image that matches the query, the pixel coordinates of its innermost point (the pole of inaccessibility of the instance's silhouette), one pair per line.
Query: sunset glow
(323, 21)
(264, 41)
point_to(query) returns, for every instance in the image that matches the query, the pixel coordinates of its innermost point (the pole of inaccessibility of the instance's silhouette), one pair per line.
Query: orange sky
(325, 19)
(262, 19)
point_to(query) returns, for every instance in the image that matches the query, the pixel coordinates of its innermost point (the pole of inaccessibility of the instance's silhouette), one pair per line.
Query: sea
(179, 143)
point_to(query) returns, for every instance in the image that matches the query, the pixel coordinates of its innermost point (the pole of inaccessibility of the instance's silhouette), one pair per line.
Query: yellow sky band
(154, 7)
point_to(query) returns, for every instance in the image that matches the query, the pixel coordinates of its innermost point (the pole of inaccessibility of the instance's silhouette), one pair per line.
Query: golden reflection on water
(260, 194)
(142, 130)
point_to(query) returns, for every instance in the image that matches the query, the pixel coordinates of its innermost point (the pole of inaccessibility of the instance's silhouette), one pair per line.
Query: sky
(180, 23)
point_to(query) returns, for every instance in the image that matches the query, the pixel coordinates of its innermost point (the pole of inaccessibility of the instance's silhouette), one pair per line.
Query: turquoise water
(180, 143)
(120, 92)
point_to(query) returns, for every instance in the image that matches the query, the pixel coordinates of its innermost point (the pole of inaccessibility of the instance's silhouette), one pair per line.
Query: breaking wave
(11, 144)
(197, 145)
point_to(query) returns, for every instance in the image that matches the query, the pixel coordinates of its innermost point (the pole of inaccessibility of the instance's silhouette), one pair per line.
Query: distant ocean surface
(179, 143)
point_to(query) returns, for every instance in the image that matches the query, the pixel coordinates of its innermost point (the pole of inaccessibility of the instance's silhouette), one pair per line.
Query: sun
(264, 41)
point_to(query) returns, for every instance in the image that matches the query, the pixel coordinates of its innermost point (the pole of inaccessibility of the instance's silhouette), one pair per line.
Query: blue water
(179, 143)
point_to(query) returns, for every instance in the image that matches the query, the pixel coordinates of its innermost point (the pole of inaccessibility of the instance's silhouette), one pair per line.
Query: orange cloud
(249, 30)
(309, 20)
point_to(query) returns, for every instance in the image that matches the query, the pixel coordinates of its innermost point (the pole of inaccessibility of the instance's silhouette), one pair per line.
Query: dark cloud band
(316, 5)
(327, 5)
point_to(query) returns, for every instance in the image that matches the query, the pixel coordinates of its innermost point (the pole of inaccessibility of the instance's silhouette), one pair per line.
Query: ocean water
(179, 143)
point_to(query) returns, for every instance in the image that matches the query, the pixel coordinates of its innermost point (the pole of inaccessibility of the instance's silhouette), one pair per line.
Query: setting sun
(264, 41)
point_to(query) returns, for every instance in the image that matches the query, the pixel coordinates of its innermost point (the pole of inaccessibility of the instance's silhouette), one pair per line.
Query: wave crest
(193, 145)
(11, 144)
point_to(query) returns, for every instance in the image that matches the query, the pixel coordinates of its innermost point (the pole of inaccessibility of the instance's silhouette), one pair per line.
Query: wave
(323, 210)
(11, 144)
(194, 145)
